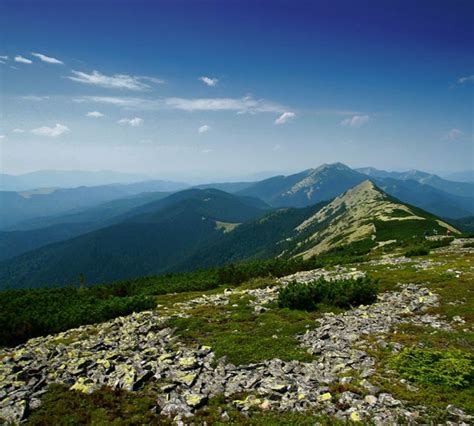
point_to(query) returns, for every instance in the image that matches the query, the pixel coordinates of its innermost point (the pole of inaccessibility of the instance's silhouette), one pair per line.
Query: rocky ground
(139, 349)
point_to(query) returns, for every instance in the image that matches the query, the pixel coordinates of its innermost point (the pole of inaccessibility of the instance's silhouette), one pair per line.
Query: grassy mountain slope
(363, 214)
(361, 217)
(146, 243)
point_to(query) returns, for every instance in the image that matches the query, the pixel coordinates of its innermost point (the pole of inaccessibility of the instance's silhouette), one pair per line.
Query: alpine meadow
(243, 212)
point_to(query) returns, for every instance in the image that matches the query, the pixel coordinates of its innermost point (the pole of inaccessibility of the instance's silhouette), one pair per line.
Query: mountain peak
(363, 213)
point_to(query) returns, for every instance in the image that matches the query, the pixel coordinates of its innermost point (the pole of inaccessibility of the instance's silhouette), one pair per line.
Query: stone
(324, 397)
(83, 385)
(370, 399)
(195, 400)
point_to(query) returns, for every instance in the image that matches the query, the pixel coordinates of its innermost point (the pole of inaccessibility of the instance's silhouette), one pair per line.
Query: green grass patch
(243, 336)
(417, 251)
(451, 368)
(60, 406)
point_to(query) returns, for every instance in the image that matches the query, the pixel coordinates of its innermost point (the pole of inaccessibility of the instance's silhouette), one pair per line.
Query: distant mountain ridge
(429, 192)
(201, 228)
(18, 207)
(463, 189)
(66, 179)
(147, 241)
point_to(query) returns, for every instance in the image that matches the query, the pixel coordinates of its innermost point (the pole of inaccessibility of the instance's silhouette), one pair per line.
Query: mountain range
(207, 227)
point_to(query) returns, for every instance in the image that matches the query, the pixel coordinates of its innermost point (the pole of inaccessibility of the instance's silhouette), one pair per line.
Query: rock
(188, 363)
(195, 400)
(370, 399)
(83, 385)
(324, 397)
(369, 387)
(355, 416)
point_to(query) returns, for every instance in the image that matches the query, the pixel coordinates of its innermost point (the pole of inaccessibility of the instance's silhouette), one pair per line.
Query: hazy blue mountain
(328, 181)
(14, 243)
(463, 189)
(307, 187)
(464, 176)
(427, 197)
(153, 238)
(65, 179)
(18, 207)
(231, 187)
(43, 231)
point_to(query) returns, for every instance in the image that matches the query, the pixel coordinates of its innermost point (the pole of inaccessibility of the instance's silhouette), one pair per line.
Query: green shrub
(417, 251)
(340, 293)
(441, 242)
(468, 245)
(451, 368)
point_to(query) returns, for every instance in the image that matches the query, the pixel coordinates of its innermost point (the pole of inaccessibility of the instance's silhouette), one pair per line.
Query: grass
(121, 408)
(456, 298)
(244, 337)
(237, 332)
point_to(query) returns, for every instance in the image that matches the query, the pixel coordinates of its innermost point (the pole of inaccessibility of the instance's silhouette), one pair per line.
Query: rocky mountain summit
(343, 380)
(361, 213)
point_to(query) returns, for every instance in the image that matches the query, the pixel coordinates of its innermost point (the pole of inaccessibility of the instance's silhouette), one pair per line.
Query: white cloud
(4, 57)
(2, 137)
(95, 114)
(209, 81)
(204, 129)
(276, 147)
(207, 150)
(355, 121)
(116, 81)
(47, 59)
(52, 132)
(246, 104)
(241, 105)
(18, 130)
(282, 119)
(466, 79)
(134, 122)
(454, 134)
(34, 98)
(22, 60)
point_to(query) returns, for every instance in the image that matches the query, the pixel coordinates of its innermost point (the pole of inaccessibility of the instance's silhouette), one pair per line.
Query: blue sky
(227, 88)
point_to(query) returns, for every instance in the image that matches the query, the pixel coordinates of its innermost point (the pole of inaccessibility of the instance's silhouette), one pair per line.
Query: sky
(229, 88)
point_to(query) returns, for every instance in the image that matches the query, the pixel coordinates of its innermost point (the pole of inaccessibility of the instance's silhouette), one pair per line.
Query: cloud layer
(285, 117)
(203, 129)
(134, 122)
(116, 81)
(52, 132)
(95, 114)
(22, 60)
(47, 59)
(209, 81)
(355, 121)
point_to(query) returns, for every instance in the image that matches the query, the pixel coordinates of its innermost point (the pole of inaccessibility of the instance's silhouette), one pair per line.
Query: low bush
(417, 251)
(451, 368)
(322, 293)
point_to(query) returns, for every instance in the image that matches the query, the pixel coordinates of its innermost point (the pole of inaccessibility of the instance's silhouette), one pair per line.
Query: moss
(243, 336)
(451, 368)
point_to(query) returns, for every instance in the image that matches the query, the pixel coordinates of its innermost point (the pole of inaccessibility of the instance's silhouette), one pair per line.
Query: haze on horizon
(221, 89)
